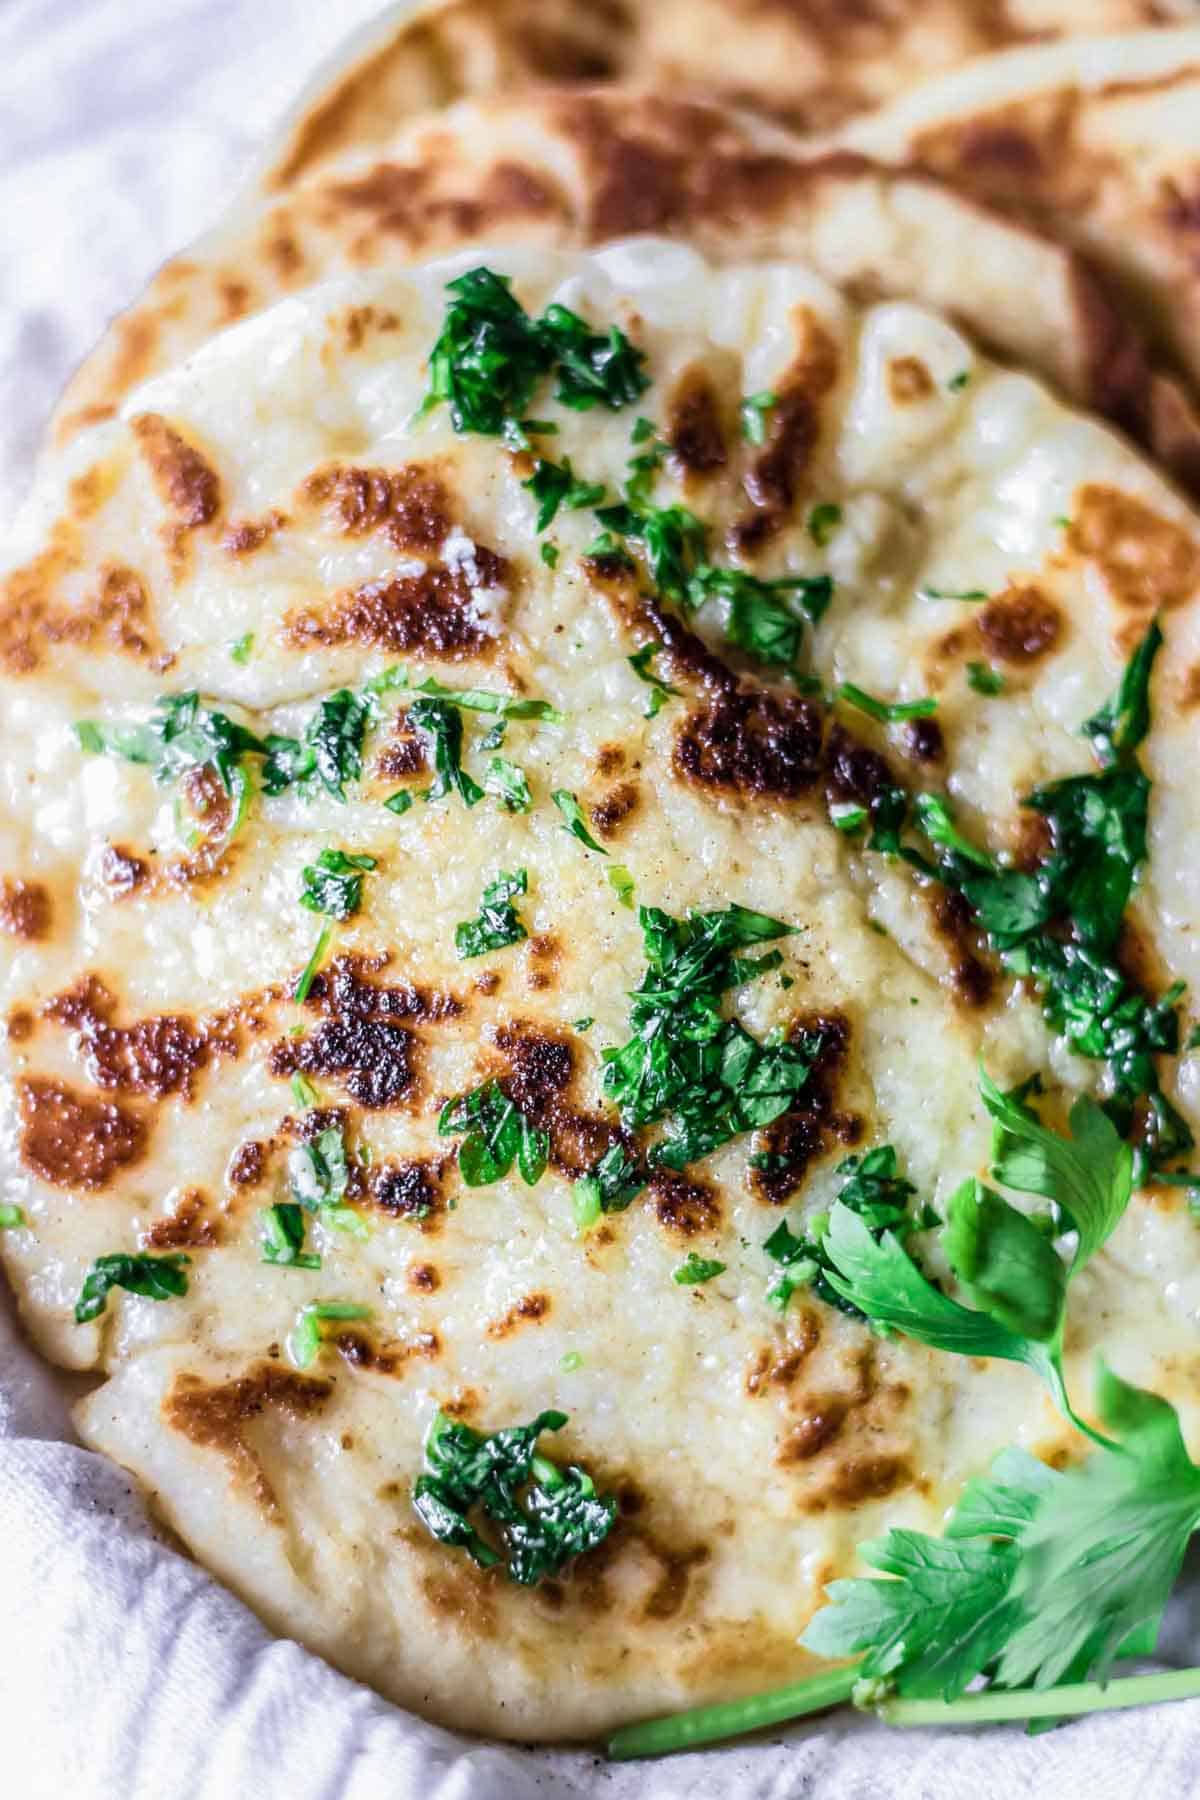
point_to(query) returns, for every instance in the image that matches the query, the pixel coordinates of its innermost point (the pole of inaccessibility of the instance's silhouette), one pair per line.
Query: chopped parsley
(756, 615)
(541, 1515)
(305, 1342)
(696, 1269)
(182, 735)
(319, 1179)
(330, 752)
(497, 925)
(153, 1277)
(490, 356)
(12, 1218)
(509, 784)
(972, 595)
(399, 802)
(482, 700)
(1098, 846)
(495, 1134)
(958, 382)
(660, 691)
(333, 884)
(672, 539)
(847, 815)
(888, 712)
(756, 409)
(241, 651)
(871, 1188)
(612, 1183)
(823, 521)
(574, 820)
(983, 679)
(283, 1237)
(554, 485)
(687, 1065)
(442, 724)
(549, 555)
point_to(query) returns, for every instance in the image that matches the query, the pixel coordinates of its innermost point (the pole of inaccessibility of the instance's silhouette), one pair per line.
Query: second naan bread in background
(808, 66)
(567, 170)
(1097, 145)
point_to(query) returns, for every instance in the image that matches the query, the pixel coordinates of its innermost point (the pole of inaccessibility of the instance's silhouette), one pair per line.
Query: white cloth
(126, 1673)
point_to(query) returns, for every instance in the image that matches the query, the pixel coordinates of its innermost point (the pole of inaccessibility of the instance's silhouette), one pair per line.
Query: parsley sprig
(497, 925)
(495, 1134)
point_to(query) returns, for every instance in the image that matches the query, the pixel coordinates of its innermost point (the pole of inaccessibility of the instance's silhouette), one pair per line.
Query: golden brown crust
(572, 170)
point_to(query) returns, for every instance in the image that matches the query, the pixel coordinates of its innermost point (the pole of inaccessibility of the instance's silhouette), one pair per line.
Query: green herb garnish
(509, 784)
(686, 1063)
(399, 802)
(696, 1269)
(241, 651)
(497, 925)
(823, 521)
(333, 884)
(305, 1342)
(575, 822)
(612, 1183)
(660, 691)
(983, 679)
(887, 712)
(283, 1237)
(153, 1277)
(542, 1515)
(554, 485)
(442, 723)
(495, 1134)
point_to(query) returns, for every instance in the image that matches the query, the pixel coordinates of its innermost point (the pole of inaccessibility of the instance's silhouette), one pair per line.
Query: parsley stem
(1044, 1703)
(733, 1718)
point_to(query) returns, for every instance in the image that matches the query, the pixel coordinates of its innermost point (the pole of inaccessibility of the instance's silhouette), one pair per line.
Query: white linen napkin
(126, 1672)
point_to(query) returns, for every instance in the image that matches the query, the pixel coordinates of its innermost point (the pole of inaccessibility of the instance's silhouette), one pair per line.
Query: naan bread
(809, 66)
(572, 169)
(283, 483)
(1098, 145)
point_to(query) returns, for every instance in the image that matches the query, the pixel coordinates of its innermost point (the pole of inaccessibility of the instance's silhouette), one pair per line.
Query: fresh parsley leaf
(333, 884)
(983, 679)
(672, 538)
(594, 368)
(823, 521)
(283, 1237)
(497, 925)
(1007, 1266)
(303, 1091)
(495, 1135)
(756, 615)
(1121, 725)
(612, 1183)
(660, 691)
(242, 649)
(549, 555)
(442, 723)
(696, 1269)
(509, 784)
(1103, 1549)
(576, 823)
(542, 1516)
(12, 1218)
(584, 1024)
(330, 752)
(847, 816)
(1089, 1176)
(958, 382)
(182, 735)
(319, 1171)
(153, 1277)
(304, 1344)
(887, 712)
(399, 802)
(756, 409)
(489, 356)
(874, 1190)
(555, 485)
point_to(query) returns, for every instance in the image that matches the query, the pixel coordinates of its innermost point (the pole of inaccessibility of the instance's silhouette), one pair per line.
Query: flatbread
(277, 517)
(577, 169)
(1098, 145)
(809, 66)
